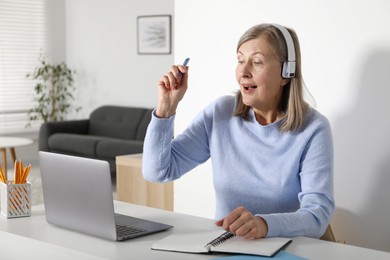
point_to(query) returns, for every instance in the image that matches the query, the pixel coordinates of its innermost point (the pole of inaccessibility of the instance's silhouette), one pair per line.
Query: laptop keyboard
(123, 231)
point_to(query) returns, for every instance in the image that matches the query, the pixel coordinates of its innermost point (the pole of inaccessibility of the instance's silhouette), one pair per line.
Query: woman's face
(258, 73)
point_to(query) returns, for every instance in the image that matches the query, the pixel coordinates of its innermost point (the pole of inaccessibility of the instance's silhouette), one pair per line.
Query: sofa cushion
(118, 122)
(111, 147)
(74, 143)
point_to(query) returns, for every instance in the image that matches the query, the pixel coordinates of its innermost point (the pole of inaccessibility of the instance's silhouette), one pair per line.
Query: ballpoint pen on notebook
(222, 238)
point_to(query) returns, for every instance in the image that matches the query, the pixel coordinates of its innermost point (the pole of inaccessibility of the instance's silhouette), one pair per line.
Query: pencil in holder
(15, 199)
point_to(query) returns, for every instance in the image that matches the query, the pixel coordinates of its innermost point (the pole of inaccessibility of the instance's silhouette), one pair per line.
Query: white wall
(56, 31)
(346, 53)
(101, 45)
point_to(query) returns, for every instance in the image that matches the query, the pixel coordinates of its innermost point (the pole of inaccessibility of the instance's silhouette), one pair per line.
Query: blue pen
(184, 64)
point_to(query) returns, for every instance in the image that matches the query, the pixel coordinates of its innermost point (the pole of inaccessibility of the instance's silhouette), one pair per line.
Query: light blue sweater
(286, 178)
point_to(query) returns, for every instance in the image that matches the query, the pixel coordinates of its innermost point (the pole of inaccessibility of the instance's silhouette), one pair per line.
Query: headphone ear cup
(288, 69)
(284, 70)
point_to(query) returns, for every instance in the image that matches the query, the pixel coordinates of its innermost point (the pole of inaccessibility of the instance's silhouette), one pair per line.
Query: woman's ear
(284, 82)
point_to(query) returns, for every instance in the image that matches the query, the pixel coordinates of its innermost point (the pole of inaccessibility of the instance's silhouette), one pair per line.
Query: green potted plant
(53, 92)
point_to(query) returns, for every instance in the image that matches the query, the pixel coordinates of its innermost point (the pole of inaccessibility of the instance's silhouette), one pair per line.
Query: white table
(18, 247)
(50, 237)
(11, 143)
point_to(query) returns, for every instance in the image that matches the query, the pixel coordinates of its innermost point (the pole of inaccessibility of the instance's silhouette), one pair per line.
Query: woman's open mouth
(249, 87)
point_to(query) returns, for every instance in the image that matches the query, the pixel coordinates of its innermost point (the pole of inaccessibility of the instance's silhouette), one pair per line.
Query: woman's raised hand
(171, 89)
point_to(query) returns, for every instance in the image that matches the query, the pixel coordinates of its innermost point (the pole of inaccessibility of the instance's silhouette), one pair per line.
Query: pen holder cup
(15, 199)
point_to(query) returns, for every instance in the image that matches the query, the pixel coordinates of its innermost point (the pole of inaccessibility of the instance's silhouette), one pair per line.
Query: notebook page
(193, 242)
(262, 246)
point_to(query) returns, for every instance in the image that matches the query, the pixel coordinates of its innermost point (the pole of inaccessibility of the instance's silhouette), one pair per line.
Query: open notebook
(199, 242)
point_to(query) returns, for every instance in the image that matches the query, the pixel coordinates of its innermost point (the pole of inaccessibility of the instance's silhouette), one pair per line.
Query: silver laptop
(77, 195)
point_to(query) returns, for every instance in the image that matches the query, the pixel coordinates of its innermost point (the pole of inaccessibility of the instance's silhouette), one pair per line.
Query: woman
(271, 154)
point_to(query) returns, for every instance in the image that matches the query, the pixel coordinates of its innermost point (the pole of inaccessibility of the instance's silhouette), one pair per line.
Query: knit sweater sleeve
(166, 158)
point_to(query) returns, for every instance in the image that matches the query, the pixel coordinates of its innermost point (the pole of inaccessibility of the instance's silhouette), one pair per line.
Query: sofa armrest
(49, 128)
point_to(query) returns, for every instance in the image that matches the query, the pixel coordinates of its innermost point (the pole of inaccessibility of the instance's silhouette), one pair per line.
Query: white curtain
(22, 40)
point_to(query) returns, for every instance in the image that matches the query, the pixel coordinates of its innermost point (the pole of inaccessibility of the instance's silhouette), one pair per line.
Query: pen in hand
(184, 64)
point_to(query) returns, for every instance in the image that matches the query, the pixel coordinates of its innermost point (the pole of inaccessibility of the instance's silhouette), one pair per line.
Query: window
(22, 39)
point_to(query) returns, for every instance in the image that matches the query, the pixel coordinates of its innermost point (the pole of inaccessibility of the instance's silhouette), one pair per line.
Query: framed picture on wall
(154, 34)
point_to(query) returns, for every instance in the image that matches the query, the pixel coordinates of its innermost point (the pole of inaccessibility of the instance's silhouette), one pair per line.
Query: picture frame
(154, 34)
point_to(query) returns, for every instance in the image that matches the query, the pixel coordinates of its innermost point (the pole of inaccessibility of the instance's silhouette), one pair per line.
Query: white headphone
(288, 68)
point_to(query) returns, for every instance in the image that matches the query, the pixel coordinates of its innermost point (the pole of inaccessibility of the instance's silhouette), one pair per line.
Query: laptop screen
(78, 194)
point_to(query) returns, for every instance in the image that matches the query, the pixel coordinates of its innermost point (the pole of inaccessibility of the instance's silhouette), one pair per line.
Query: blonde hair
(292, 102)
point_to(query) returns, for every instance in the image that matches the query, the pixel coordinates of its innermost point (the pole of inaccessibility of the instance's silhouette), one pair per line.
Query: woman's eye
(240, 62)
(258, 62)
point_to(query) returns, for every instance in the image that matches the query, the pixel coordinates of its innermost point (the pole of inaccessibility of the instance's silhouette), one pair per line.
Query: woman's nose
(244, 70)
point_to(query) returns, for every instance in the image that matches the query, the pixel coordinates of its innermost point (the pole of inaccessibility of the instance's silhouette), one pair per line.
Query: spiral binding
(219, 240)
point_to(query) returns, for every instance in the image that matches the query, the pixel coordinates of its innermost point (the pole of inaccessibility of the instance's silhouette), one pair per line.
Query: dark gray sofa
(110, 131)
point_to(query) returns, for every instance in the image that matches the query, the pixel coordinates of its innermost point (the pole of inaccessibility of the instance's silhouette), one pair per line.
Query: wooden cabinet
(133, 188)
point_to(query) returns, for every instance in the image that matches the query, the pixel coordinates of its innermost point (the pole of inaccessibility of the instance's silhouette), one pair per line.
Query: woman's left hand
(243, 223)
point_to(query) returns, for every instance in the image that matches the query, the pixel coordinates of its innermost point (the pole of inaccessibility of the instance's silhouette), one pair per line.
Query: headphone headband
(288, 68)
